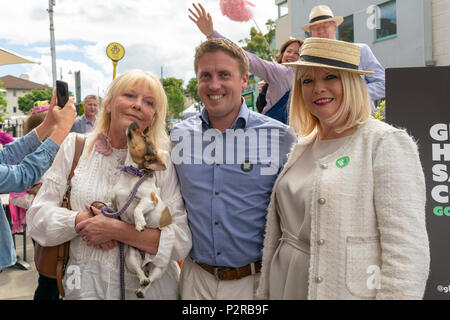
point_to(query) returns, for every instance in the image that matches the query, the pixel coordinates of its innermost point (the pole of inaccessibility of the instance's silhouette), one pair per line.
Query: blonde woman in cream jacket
(347, 213)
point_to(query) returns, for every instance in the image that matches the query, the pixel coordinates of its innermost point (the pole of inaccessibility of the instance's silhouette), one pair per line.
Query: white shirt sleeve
(48, 223)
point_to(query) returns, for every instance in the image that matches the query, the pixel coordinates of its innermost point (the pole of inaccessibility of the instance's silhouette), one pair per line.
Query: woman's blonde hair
(134, 78)
(354, 110)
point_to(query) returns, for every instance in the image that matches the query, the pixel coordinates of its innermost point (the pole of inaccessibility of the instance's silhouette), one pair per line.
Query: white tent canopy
(192, 110)
(7, 57)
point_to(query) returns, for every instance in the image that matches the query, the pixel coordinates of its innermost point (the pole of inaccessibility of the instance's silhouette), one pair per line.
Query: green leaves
(380, 111)
(26, 102)
(257, 45)
(175, 97)
(192, 89)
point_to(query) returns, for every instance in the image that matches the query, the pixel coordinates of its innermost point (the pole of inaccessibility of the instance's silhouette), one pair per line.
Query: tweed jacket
(368, 234)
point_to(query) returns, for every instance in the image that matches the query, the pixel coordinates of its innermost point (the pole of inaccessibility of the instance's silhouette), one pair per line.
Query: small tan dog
(150, 210)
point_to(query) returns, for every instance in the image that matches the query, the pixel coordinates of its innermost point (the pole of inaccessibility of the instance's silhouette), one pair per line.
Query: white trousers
(198, 284)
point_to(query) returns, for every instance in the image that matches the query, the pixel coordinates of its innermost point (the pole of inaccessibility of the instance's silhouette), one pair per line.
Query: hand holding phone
(62, 93)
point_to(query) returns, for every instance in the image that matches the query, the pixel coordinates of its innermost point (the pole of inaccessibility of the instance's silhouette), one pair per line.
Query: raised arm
(202, 19)
(25, 160)
(277, 75)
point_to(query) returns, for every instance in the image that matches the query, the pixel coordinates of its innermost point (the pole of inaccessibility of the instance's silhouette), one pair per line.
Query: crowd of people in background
(324, 193)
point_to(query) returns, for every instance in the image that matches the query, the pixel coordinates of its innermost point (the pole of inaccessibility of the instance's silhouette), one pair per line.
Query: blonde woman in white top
(135, 96)
(347, 213)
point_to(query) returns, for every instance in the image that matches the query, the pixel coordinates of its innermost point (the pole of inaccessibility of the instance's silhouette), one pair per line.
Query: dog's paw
(144, 282)
(140, 226)
(140, 293)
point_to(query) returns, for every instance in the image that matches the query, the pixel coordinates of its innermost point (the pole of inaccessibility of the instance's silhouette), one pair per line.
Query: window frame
(390, 36)
(338, 35)
(279, 5)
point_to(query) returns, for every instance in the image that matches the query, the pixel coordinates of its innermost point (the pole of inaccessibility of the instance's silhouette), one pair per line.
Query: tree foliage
(175, 95)
(27, 101)
(257, 45)
(192, 89)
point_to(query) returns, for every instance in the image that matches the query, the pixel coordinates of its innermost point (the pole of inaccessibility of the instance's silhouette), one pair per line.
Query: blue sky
(154, 34)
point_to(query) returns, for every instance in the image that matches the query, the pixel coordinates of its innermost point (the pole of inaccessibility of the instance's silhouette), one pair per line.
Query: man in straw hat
(340, 226)
(323, 24)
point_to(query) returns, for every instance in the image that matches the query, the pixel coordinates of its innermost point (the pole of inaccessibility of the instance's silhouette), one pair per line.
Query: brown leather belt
(223, 273)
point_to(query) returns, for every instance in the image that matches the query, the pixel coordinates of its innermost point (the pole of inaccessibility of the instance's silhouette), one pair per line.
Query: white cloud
(154, 33)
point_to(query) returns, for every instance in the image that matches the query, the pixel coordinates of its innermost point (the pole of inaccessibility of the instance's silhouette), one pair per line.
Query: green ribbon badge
(342, 162)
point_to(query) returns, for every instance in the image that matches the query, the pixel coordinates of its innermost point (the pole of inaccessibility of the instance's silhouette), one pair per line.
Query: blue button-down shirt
(82, 125)
(20, 168)
(226, 180)
(376, 83)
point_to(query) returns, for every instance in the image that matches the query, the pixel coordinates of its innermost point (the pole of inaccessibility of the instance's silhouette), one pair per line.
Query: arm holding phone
(59, 121)
(24, 161)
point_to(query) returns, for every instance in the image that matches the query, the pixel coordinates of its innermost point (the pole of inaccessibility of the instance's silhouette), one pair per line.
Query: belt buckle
(216, 273)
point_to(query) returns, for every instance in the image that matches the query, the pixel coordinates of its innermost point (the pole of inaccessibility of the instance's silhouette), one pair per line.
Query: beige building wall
(283, 26)
(441, 32)
(12, 96)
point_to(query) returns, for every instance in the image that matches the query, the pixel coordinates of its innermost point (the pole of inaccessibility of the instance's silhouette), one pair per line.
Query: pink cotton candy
(237, 10)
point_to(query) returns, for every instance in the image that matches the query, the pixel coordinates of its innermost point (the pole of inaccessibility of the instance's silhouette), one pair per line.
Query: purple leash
(108, 212)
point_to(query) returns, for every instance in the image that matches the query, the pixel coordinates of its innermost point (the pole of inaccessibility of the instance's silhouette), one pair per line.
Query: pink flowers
(103, 144)
(237, 10)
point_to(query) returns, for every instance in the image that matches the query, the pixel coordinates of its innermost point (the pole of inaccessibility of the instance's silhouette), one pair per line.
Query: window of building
(14, 93)
(283, 9)
(345, 30)
(388, 21)
(14, 109)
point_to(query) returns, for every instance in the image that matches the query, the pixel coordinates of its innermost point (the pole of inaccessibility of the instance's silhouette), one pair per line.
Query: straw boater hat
(321, 14)
(328, 53)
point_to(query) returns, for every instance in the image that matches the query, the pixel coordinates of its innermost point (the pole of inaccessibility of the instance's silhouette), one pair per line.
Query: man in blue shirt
(323, 24)
(227, 159)
(86, 122)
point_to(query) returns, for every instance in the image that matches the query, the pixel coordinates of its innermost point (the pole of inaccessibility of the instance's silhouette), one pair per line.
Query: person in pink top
(278, 77)
(5, 137)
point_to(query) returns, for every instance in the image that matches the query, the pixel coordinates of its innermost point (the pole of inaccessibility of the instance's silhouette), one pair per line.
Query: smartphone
(62, 93)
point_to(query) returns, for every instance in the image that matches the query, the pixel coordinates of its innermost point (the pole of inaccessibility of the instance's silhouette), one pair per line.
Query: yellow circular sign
(115, 51)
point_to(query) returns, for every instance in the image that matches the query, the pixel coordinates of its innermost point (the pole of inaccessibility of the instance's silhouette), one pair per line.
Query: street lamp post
(77, 87)
(51, 3)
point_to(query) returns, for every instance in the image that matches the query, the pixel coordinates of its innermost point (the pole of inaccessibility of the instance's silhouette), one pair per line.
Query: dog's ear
(154, 164)
(146, 131)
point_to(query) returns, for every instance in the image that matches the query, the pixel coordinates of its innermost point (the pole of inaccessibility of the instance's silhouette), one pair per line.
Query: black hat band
(330, 62)
(320, 18)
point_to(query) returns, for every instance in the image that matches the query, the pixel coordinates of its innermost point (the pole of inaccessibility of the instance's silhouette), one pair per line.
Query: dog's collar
(134, 171)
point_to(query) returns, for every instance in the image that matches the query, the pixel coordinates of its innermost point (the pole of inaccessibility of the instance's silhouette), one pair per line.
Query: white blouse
(93, 180)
